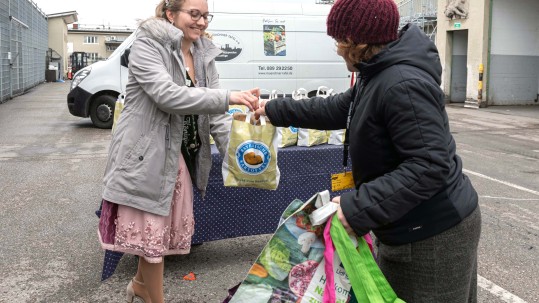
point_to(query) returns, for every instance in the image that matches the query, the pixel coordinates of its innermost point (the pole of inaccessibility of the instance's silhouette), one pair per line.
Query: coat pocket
(135, 155)
(134, 169)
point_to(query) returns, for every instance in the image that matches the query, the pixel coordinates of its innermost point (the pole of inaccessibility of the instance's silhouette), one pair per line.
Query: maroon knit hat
(364, 21)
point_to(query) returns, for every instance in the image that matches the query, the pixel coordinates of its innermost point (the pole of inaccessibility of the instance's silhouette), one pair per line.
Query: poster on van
(274, 40)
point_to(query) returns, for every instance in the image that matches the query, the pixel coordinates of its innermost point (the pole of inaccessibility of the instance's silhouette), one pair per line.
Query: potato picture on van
(276, 46)
(274, 40)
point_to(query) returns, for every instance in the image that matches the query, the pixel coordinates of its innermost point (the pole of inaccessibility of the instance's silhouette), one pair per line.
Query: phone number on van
(275, 67)
(278, 70)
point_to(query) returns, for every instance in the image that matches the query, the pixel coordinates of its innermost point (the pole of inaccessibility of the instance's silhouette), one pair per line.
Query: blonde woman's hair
(171, 5)
(357, 53)
(208, 35)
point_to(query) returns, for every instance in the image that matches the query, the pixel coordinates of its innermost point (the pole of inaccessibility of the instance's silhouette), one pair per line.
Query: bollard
(480, 85)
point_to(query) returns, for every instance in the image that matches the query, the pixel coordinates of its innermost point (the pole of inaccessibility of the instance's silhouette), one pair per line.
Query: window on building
(111, 48)
(92, 57)
(90, 40)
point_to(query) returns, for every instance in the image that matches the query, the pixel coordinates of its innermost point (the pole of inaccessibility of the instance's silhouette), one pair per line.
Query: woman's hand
(248, 98)
(261, 111)
(341, 216)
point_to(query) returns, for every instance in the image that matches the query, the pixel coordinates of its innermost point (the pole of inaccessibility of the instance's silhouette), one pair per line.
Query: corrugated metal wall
(23, 47)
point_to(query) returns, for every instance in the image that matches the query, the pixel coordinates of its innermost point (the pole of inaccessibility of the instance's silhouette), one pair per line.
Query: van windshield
(127, 42)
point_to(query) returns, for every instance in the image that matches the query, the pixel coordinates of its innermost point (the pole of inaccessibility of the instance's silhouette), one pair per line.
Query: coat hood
(161, 31)
(412, 48)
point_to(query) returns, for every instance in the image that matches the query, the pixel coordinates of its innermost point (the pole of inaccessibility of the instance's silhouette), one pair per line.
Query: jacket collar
(169, 36)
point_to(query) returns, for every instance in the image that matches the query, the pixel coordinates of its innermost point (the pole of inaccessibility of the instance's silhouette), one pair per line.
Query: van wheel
(102, 111)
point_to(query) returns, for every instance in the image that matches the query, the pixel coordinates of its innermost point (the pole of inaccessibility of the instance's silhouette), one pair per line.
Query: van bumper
(77, 101)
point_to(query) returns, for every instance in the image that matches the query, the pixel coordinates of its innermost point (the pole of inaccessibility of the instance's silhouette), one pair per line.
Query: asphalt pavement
(51, 165)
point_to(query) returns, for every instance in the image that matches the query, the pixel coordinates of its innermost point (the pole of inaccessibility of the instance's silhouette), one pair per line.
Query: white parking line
(498, 291)
(507, 198)
(485, 284)
(502, 182)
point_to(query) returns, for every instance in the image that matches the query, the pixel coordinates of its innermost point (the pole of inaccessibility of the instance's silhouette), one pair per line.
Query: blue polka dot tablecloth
(230, 212)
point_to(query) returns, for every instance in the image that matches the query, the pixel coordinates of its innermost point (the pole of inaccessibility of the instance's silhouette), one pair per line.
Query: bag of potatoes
(288, 136)
(309, 137)
(251, 159)
(335, 137)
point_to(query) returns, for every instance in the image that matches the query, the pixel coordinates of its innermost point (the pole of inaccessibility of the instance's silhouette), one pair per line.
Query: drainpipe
(1, 77)
(487, 90)
(9, 52)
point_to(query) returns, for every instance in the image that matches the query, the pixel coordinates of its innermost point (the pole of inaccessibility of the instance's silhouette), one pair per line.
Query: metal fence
(421, 12)
(23, 47)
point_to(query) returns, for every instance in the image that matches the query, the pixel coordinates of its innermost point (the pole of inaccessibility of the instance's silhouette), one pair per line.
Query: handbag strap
(329, 252)
(368, 281)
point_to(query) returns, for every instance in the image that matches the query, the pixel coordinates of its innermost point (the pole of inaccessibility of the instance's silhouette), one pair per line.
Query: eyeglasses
(196, 15)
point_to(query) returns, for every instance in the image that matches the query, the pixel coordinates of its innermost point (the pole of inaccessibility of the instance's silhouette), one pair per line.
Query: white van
(271, 45)
(95, 88)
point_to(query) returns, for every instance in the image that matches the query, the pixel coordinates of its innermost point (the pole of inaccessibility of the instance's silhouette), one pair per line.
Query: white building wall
(514, 55)
(477, 52)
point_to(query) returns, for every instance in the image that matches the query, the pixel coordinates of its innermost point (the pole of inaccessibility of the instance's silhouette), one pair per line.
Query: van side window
(124, 60)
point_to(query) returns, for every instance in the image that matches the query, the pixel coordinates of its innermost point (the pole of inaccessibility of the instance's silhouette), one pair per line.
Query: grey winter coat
(145, 149)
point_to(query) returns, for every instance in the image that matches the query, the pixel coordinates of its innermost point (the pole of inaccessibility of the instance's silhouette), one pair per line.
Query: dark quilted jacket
(408, 177)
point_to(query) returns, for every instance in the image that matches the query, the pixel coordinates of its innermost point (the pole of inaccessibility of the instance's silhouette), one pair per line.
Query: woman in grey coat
(160, 146)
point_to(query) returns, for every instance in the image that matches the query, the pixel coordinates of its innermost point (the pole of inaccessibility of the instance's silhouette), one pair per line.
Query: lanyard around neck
(355, 92)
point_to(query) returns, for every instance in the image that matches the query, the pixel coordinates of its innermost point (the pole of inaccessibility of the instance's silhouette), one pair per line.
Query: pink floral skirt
(133, 231)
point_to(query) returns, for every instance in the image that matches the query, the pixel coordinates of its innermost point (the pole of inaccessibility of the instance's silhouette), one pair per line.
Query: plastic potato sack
(251, 159)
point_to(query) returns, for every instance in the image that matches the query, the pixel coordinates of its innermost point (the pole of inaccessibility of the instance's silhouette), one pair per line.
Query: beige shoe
(130, 292)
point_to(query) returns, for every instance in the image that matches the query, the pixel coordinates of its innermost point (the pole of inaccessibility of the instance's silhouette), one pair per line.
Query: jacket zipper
(167, 132)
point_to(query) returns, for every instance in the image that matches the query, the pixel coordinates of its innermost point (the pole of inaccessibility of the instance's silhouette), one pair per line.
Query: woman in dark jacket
(409, 187)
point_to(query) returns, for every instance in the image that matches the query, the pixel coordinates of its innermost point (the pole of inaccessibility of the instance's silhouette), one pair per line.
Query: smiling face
(192, 30)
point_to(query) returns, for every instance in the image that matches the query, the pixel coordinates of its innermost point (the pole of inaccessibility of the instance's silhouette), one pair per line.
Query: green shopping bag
(368, 281)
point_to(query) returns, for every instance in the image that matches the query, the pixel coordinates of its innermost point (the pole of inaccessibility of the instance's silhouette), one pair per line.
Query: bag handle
(275, 94)
(323, 213)
(262, 119)
(299, 94)
(322, 91)
(368, 281)
(329, 253)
